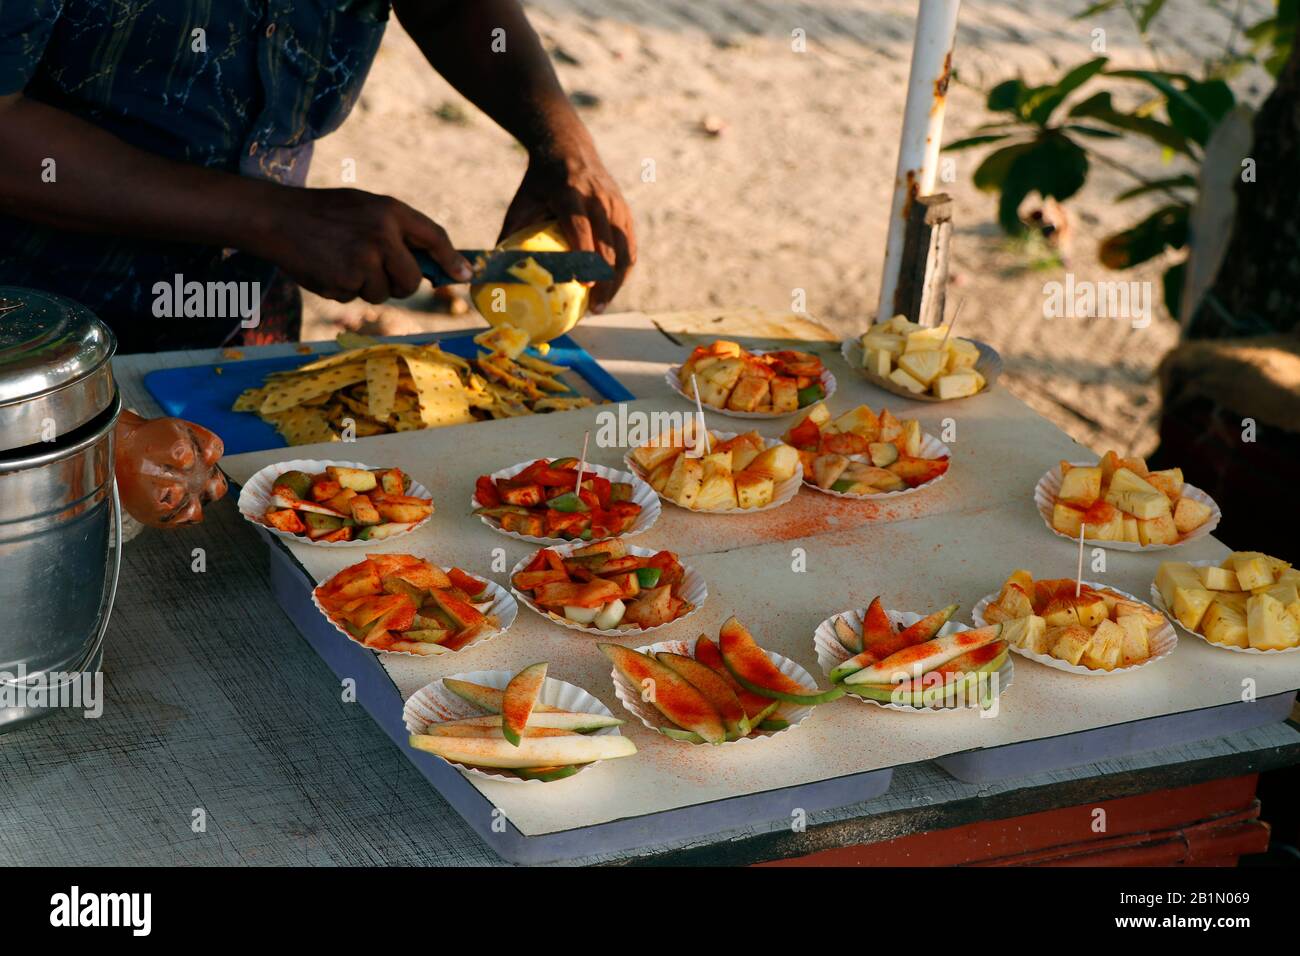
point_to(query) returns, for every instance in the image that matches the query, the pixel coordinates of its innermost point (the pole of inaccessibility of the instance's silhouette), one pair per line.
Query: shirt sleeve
(25, 28)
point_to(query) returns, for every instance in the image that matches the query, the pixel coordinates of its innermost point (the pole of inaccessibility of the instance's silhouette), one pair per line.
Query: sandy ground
(793, 193)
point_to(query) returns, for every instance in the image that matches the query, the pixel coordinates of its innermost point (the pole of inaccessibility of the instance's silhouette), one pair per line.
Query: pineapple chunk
(1136, 645)
(1110, 530)
(1269, 627)
(900, 377)
(717, 381)
(1136, 465)
(900, 324)
(1190, 515)
(1069, 643)
(858, 421)
(717, 490)
(1131, 532)
(1139, 504)
(1159, 530)
(960, 384)
(1218, 579)
(1080, 487)
(1172, 575)
(754, 491)
(785, 394)
(818, 414)
(925, 340)
(1190, 605)
(909, 443)
(750, 392)
(1169, 482)
(925, 366)
(890, 427)
(1028, 632)
(1107, 644)
(878, 362)
(658, 479)
(1125, 479)
(884, 342)
(1253, 571)
(1224, 624)
(1066, 519)
(683, 484)
(748, 447)
(827, 469)
(962, 353)
(1015, 601)
(778, 463)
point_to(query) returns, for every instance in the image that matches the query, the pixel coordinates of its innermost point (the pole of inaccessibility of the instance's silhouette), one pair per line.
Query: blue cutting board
(204, 393)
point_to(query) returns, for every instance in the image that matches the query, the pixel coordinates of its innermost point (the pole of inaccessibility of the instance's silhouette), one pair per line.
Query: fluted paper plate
(671, 377)
(781, 494)
(1049, 486)
(649, 715)
(255, 498)
(831, 653)
(1162, 642)
(931, 447)
(435, 704)
(501, 604)
(989, 364)
(1158, 602)
(642, 494)
(694, 590)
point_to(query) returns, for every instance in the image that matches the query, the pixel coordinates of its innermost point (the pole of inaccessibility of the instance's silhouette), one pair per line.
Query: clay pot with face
(167, 469)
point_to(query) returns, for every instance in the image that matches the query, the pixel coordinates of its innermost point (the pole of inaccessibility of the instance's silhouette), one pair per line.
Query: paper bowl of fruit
(537, 501)
(738, 474)
(1123, 505)
(1248, 603)
(917, 362)
(335, 504)
(1098, 631)
(864, 455)
(707, 692)
(911, 662)
(516, 728)
(609, 588)
(401, 604)
(752, 384)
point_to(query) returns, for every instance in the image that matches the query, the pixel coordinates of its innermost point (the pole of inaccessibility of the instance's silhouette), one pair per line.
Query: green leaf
(992, 172)
(1158, 185)
(1148, 13)
(1053, 165)
(1006, 96)
(1166, 228)
(1195, 110)
(970, 141)
(1099, 107)
(1092, 131)
(1043, 101)
(1096, 8)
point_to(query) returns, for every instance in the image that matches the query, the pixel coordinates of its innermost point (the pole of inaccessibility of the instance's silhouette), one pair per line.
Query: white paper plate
(255, 498)
(434, 704)
(831, 653)
(782, 494)
(642, 494)
(989, 364)
(1049, 486)
(1158, 602)
(649, 715)
(931, 447)
(501, 604)
(693, 590)
(1162, 642)
(674, 382)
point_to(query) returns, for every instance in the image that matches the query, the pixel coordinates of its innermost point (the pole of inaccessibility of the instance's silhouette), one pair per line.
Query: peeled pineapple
(1253, 600)
(920, 360)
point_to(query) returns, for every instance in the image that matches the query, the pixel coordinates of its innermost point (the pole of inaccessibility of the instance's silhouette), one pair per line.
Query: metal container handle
(117, 570)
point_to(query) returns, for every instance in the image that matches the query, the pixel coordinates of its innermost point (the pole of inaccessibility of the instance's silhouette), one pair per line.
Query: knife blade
(493, 266)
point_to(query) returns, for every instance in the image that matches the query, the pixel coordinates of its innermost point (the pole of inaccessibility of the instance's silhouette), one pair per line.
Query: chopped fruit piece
(1157, 530)
(1269, 626)
(518, 700)
(672, 694)
(754, 670)
(1218, 579)
(900, 377)
(1080, 487)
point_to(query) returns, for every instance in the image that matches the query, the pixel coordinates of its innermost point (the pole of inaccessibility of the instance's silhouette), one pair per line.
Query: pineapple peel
(536, 305)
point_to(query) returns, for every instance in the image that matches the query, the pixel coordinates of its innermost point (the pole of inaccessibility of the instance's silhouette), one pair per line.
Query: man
(141, 141)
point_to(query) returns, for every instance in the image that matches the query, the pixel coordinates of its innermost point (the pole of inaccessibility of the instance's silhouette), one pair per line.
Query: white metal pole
(918, 149)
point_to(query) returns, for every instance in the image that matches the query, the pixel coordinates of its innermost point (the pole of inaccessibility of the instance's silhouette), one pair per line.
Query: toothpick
(956, 312)
(699, 408)
(582, 463)
(1078, 577)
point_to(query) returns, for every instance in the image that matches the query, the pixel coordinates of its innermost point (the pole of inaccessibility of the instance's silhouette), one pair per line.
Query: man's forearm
(99, 184)
(516, 86)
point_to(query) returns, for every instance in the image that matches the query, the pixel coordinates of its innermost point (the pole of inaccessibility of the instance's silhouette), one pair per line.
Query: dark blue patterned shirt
(239, 85)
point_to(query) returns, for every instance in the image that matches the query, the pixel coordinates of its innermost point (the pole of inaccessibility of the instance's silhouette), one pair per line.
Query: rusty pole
(918, 149)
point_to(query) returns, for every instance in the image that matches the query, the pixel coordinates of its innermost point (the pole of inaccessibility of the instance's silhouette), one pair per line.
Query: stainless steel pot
(60, 520)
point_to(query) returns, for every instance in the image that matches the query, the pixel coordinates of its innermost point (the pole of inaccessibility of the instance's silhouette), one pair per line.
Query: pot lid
(46, 343)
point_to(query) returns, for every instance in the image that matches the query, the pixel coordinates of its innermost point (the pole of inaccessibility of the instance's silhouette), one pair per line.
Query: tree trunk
(1257, 291)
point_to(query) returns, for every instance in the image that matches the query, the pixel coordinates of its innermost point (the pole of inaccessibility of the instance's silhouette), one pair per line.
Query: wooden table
(218, 711)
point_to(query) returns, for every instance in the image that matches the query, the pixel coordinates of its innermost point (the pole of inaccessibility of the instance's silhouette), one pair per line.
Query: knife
(492, 266)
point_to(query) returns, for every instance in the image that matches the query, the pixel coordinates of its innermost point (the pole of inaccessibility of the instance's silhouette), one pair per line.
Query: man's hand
(345, 243)
(579, 192)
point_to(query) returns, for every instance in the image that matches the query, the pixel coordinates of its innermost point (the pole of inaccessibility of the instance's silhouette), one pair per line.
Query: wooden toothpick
(1078, 577)
(956, 312)
(699, 408)
(582, 464)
